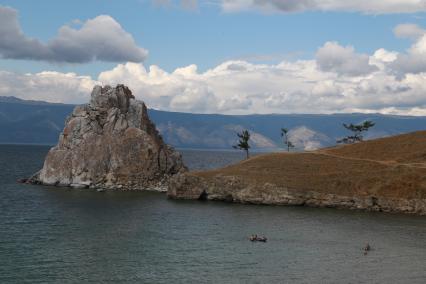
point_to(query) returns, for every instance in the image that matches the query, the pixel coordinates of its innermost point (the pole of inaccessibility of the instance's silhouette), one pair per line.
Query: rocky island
(387, 174)
(110, 143)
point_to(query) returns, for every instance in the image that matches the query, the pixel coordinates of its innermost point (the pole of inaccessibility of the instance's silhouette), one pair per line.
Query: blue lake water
(54, 235)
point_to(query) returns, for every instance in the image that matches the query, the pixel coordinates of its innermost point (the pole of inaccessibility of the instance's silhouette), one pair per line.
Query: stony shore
(234, 189)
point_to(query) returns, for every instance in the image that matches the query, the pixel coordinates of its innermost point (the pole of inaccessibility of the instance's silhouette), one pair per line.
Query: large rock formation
(110, 143)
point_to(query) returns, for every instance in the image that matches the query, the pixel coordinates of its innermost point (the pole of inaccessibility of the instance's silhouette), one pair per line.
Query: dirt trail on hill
(385, 163)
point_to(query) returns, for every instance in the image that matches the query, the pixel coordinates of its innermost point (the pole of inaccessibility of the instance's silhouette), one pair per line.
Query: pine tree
(286, 141)
(357, 130)
(243, 140)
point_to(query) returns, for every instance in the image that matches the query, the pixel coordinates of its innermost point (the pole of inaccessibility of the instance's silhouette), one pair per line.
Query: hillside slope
(386, 174)
(31, 122)
(406, 148)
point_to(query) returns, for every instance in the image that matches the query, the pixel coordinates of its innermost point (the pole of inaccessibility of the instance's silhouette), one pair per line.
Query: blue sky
(208, 36)
(232, 56)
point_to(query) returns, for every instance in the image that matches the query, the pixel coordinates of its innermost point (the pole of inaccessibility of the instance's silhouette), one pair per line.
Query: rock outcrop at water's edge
(386, 175)
(234, 189)
(110, 143)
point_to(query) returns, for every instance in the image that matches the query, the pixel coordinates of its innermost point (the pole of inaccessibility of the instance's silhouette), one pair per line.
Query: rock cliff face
(236, 189)
(110, 143)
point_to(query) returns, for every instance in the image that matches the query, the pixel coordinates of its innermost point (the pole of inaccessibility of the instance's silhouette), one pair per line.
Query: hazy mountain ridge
(11, 99)
(307, 131)
(41, 122)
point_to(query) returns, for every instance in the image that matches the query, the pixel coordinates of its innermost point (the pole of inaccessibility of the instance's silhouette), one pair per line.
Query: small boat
(366, 248)
(258, 239)
(262, 239)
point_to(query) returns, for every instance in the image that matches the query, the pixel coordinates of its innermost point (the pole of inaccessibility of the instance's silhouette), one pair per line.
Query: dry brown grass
(406, 148)
(392, 167)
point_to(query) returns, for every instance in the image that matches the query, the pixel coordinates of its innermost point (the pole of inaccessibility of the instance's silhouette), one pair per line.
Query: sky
(220, 56)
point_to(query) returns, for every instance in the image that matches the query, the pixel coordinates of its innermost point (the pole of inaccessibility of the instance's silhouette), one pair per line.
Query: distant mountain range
(36, 122)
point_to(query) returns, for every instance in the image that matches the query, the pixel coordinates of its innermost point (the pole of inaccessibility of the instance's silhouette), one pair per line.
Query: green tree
(357, 130)
(243, 142)
(286, 141)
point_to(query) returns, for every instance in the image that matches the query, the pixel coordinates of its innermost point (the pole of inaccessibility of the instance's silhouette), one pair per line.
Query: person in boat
(255, 238)
(262, 239)
(367, 247)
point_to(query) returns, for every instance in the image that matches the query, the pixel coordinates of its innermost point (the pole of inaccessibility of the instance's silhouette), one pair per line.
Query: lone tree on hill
(243, 140)
(286, 141)
(357, 130)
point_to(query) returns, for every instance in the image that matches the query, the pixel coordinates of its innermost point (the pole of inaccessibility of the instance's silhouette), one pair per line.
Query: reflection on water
(63, 236)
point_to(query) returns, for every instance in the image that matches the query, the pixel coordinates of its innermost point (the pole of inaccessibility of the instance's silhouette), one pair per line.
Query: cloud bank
(47, 86)
(101, 38)
(363, 6)
(414, 60)
(337, 80)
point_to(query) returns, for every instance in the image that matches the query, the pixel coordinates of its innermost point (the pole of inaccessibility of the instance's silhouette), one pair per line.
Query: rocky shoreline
(387, 174)
(234, 189)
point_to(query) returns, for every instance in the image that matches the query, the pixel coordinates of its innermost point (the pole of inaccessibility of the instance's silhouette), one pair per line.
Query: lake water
(53, 235)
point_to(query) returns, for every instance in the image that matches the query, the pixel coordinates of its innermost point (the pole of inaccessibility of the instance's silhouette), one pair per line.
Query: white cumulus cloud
(414, 60)
(240, 87)
(101, 38)
(47, 86)
(343, 60)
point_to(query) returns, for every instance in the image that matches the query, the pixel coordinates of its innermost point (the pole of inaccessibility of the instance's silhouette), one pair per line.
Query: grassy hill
(387, 174)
